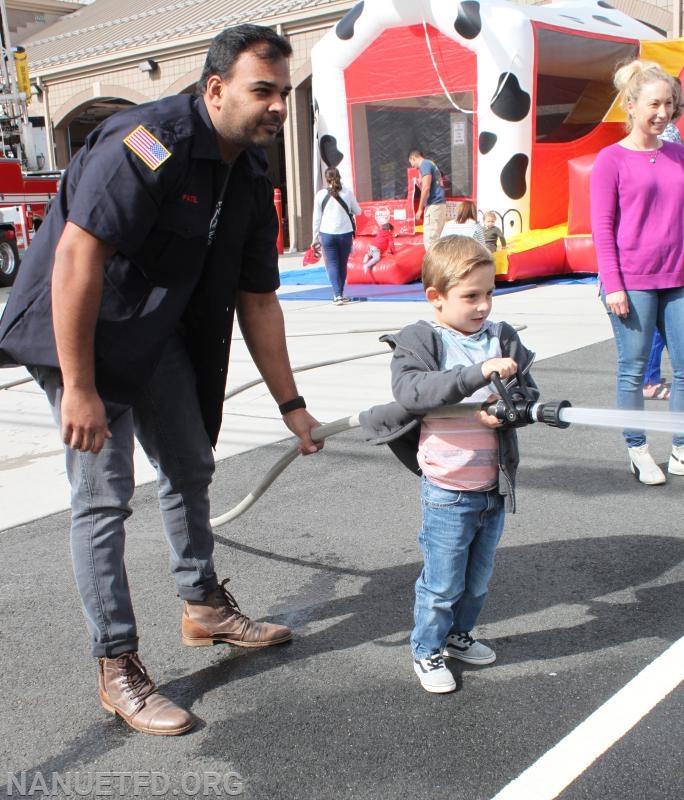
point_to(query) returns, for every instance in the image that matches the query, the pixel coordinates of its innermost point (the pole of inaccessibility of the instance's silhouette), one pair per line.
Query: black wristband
(292, 405)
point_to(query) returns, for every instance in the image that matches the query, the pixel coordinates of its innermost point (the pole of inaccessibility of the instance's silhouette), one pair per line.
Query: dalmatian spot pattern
(504, 142)
(510, 101)
(468, 22)
(330, 155)
(345, 27)
(513, 176)
(486, 142)
(599, 18)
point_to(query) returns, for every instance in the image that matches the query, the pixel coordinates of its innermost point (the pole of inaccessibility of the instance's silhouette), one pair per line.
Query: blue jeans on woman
(663, 308)
(167, 421)
(336, 250)
(458, 538)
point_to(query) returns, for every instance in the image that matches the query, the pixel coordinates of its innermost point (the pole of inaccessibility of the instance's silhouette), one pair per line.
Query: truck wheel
(9, 262)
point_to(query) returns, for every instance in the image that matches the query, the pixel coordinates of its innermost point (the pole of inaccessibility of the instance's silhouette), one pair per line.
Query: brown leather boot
(219, 619)
(126, 690)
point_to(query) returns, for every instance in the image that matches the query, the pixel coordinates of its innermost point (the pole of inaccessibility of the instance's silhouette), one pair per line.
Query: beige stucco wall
(172, 76)
(67, 95)
(72, 89)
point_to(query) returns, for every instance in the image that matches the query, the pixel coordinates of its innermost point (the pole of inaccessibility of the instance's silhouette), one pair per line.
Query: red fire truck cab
(23, 201)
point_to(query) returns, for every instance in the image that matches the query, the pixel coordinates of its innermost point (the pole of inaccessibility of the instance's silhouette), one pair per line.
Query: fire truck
(23, 201)
(24, 195)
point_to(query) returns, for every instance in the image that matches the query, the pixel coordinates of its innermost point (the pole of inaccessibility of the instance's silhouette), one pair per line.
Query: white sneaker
(434, 674)
(463, 647)
(676, 465)
(644, 467)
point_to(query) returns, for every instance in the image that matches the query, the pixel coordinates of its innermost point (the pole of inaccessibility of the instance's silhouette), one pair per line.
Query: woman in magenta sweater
(637, 196)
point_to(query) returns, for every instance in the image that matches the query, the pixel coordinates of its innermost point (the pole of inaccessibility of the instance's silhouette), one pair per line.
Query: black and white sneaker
(463, 647)
(644, 467)
(434, 675)
(676, 464)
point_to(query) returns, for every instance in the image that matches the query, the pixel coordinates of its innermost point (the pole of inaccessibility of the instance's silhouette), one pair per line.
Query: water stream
(666, 421)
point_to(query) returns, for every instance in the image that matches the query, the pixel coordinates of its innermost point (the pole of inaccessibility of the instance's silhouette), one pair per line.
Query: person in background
(637, 196)
(465, 223)
(334, 226)
(381, 243)
(654, 386)
(492, 233)
(163, 231)
(432, 202)
(671, 132)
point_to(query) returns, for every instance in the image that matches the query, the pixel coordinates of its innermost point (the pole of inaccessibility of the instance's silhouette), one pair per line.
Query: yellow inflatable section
(530, 240)
(669, 54)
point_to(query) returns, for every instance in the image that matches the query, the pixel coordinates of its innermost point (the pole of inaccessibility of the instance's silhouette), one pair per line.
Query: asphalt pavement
(586, 597)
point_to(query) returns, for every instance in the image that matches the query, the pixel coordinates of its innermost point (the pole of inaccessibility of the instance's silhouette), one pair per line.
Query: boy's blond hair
(451, 258)
(489, 215)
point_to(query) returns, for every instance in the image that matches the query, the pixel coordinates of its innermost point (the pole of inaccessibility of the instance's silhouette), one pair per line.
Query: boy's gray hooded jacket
(419, 386)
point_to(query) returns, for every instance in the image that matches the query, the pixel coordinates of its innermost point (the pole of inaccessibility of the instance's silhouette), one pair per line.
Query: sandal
(657, 391)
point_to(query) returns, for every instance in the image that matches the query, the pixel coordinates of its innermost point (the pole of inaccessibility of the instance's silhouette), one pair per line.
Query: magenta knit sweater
(637, 217)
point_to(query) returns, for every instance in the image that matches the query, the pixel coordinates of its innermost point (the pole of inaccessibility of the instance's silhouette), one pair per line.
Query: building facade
(97, 58)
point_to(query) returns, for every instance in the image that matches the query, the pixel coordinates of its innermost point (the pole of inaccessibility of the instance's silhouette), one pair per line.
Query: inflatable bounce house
(511, 102)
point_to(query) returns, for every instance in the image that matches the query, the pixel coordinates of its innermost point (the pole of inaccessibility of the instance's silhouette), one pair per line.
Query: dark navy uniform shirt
(153, 202)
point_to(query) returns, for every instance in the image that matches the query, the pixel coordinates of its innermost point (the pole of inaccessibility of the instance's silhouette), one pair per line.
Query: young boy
(468, 463)
(382, 243)
(492, 233)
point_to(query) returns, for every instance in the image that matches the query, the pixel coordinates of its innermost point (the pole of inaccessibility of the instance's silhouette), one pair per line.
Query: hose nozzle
(549, 413)
(515, 412)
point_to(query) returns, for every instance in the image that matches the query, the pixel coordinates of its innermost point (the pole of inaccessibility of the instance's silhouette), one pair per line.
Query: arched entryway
(74, 121)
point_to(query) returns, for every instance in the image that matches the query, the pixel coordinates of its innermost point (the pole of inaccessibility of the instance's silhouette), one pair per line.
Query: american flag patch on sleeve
(147, 147)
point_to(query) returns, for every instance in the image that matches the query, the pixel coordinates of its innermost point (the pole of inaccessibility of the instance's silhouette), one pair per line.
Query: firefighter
(163, 229)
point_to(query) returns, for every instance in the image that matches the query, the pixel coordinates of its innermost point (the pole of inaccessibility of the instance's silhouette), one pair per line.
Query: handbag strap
(344, 206)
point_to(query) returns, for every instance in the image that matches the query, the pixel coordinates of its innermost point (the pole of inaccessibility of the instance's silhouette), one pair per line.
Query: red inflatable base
(402, 267)
(572, 254)
(569, 254)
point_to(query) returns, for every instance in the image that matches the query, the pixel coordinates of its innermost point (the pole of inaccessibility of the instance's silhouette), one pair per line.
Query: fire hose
(511, 411)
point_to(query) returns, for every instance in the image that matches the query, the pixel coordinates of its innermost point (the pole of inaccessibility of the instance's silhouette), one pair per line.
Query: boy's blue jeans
(458, 538)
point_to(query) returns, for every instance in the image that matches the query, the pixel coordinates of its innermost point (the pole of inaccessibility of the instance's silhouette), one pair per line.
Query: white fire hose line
(302, 368)
(18, 382)
(257, 381)
(305, 367)
(560, 415)
(317, 334)
(318, 435)
(574, 754)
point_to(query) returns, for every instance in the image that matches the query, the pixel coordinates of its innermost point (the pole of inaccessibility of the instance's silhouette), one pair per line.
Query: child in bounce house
(380, 244)
(492, 233)
(468, 463)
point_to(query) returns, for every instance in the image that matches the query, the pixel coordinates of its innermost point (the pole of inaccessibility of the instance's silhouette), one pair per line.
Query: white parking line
(565, 762)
